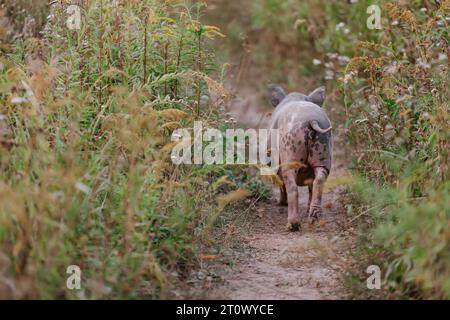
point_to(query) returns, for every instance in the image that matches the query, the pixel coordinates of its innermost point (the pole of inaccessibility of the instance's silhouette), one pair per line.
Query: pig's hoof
(293, 226)
(313, 220)
(314, 214)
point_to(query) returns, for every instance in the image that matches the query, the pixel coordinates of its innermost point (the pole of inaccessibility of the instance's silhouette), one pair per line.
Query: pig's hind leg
(315, 207)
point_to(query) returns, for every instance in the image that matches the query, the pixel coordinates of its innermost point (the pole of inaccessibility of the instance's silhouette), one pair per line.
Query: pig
(305, 149)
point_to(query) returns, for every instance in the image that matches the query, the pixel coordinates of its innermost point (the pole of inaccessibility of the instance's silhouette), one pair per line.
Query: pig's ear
(277, 94)
(317, 96)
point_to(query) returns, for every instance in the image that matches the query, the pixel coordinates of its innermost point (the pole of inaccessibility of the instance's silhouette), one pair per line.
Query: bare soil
(309, 264)
(265, 261)
(273, 263)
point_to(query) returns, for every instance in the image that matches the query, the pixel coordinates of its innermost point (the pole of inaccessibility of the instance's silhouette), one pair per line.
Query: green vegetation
(85, 171)
(399, 127)
(389, 90)
(86, 117)
(394, 96)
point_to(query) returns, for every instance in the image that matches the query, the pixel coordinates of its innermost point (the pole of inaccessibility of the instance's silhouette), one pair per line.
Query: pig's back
(293, 113)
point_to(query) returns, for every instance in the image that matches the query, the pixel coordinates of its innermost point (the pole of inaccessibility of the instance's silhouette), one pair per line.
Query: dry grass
(86, 177)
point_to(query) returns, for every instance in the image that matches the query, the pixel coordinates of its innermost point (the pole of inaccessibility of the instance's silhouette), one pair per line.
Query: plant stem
(199, 69)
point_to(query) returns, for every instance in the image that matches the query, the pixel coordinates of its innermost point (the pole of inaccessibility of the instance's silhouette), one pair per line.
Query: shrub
(397, 106)
(85, 171)
(393, 106)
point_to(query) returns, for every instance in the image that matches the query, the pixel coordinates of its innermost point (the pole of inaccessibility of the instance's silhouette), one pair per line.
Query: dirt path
(273, 263)
(304, 265)
(268, 261)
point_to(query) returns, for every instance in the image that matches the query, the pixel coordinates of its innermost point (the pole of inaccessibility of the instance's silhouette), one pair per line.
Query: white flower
(316, 62)
(343, 59)
(392, 68)
(57, 195)
(374, 109)
(329, 65)
(329, 75)
(348, 77)
(82, 187)
(333, 55)
(340, 25)
(442, 57)
(298, 23)
(19, 100)
(423, 64)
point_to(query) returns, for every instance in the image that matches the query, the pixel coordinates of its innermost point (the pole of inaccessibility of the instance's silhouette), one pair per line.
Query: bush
(397, 106)
(393, 107)
(85, 171)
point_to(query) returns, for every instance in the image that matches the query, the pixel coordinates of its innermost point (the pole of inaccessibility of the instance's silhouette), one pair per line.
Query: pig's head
(278, 95)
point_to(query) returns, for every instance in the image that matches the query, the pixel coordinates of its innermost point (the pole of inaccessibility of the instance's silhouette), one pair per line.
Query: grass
(389, 92)
(86, 177)
(86, 117)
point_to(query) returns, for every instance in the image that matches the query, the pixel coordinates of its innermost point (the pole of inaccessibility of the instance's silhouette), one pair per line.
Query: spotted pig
(305, 148)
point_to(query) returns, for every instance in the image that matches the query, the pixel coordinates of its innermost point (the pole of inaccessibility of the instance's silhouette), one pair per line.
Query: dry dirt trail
(273, 263)
(303, 265)
(309, 264)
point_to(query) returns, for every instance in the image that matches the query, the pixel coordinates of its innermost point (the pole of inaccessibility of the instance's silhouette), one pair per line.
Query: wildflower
(423, 64)
(348, 77)
(299, 22)
(333, 55)
(340, 26)
(329, 74)
(316, 62)
(329, 65)
(19, 100)
(374, 110)
(82, 187)
(391, 68)
(343, 59)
